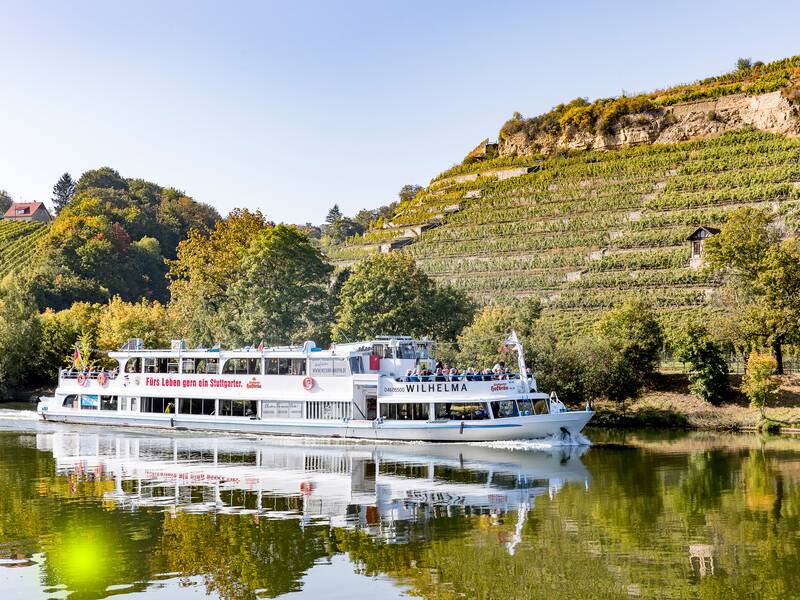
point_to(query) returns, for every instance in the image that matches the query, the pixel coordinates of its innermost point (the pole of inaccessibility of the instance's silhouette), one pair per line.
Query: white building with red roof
(28, 211)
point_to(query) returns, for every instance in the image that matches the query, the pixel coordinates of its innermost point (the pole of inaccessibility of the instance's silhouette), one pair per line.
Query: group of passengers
(444, 372)
(90, 372)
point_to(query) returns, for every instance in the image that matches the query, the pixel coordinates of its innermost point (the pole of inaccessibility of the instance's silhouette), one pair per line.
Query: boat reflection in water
(364, 486)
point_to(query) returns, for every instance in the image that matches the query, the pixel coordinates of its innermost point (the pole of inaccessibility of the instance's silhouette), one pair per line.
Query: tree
(387, 294)
(708, 369)
(759, 384)
(409, 192)
(104, 177)
(481, 342)
(762, 277)
(280, 294)
(19, 334)
(207, 264)
(635, 331)
(343, 228)
(334, 214)
(119, 321)
(63, 191)
(744, 64)
(5, 201)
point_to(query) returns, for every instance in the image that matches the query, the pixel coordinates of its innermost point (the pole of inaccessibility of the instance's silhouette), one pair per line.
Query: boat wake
(10, 414)
(557, 440)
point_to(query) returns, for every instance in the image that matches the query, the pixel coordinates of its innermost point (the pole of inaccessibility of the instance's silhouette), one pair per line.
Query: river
(93, 513)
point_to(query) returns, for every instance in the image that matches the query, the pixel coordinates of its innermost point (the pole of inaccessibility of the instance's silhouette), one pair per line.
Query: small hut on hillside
(698, 239)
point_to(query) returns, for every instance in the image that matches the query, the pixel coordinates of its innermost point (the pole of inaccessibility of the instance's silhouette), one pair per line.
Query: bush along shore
(668, 403)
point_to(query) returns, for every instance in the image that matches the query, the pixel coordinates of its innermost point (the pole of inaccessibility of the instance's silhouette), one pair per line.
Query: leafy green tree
(343, 228)
(281, 293)
(481, 342)
(760, 384)
(20, 333)
(63, 191)
(5, 201)
(635, 331)
(409, 192)
(708, 369)
(104, 177)
(387, 294)
(60, 332)
(207, 264)
(744, 64)
(762, 277)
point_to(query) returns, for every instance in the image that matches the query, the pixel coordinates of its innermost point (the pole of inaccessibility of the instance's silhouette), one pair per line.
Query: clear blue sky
(290, 107)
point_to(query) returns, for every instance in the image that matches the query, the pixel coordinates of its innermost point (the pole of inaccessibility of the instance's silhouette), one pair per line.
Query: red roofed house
(28, 211)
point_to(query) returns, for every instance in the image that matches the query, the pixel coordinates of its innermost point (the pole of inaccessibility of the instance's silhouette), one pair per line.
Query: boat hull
(507, 429)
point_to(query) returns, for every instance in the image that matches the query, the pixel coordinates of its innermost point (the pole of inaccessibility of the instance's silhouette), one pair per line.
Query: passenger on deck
(440, 374)
(454, 374)
(415, 375)
(409, 373)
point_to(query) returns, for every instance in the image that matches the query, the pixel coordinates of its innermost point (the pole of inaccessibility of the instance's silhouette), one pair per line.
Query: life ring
(82, 379)
(102, 379)
(308, 383)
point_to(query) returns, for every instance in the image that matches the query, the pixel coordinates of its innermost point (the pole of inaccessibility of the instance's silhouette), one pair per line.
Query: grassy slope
(588, 230)
(17, 244)
(670, 404)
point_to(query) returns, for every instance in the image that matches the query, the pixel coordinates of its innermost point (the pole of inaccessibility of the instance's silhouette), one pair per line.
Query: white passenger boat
(357, 390)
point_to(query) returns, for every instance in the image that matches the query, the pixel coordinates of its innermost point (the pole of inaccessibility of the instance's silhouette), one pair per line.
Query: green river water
(94, 513)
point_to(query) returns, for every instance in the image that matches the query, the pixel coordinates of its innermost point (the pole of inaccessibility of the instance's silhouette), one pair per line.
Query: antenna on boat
(514, 342)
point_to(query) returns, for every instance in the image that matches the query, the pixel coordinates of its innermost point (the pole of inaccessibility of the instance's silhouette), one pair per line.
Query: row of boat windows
(462, 411)
(320, 367)
(403, 411)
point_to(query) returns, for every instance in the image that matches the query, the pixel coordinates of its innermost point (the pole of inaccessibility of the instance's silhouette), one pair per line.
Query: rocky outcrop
(696, 120)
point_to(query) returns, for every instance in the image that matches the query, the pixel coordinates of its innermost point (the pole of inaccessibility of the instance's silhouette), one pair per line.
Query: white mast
(514, 342)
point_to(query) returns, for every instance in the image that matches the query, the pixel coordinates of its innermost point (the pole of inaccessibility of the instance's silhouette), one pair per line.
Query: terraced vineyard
(588, 230)
(17, 244)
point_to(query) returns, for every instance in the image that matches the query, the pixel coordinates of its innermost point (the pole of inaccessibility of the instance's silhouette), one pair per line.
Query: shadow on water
(92, 513)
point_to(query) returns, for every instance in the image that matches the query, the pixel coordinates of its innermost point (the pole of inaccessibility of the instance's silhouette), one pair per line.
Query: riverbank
(669, 404)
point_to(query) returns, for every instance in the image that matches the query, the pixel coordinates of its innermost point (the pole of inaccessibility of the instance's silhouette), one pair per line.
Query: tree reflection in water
(691, 516)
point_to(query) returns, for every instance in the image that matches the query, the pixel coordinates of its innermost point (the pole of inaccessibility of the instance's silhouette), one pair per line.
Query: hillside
(584, 229)
(17, 243)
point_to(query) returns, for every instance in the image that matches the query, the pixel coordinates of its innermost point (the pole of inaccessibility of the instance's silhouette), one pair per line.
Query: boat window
(108, 403)
(151, 365)
(461, 411)
(158, 405)
(237, 408)
(197, 406)
(329, 367)
(525, 407)
(69, 401)
(242, 366)
(541, 407)
(423, 350)
(207, 365)
(89, 402)
(172, 364)
(406, 411)
(329, 410)
(355, 364)
(134, 365)
(281, 410)
(407, 351)
(188, 365)
(504, 408)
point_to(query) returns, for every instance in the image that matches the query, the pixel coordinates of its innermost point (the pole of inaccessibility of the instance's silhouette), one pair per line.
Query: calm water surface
(95, 513)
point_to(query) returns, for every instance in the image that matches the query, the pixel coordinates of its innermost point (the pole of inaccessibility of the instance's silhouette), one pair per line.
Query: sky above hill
(290, 107)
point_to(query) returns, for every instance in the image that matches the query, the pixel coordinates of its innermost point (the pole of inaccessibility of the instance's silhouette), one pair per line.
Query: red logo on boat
(308, 383)
(253, 384)
(499, 387)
